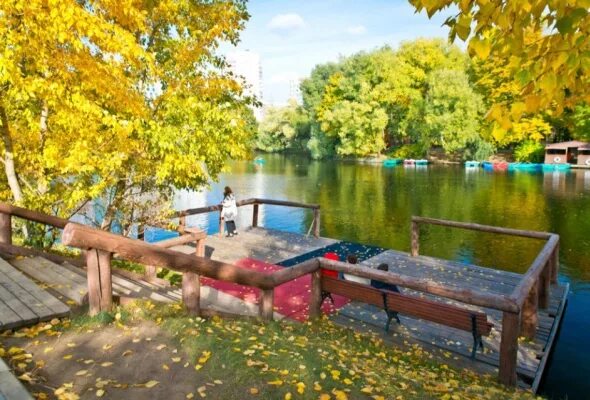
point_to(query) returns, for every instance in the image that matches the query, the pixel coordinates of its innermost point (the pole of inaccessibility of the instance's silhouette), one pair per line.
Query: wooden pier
(524, 309)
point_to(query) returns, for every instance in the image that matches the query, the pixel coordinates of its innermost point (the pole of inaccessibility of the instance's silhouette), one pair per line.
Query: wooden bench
(393, 303)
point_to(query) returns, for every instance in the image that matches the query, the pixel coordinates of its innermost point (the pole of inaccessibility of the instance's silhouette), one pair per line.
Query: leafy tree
(283, 128)
(543, 42)
(581, 122)
(451, 112)
(122, 103)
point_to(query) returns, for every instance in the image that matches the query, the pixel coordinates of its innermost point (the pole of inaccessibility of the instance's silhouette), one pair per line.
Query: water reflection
(370, 204)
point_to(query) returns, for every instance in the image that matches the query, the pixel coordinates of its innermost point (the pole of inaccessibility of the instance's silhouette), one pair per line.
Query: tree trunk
(9, 167)
(42, 184)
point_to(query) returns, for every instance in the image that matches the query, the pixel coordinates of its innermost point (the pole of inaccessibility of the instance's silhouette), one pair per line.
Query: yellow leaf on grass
(99, 393)
(300, 387)
(151, 384)
(288, 396)
(189, 396)
(253, 390)
(176, 359)
(277, 382)
(325, 396)
(317, 387)
(340, 395)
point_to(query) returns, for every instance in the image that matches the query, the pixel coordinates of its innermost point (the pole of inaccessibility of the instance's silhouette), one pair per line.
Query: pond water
(371, 204)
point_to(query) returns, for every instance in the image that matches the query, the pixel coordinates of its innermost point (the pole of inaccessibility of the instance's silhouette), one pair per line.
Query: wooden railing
(521, 305)
(255, 202)
(533, 290)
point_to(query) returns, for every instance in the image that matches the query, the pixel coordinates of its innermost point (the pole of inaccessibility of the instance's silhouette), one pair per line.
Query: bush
(529, 151)
(416, 150)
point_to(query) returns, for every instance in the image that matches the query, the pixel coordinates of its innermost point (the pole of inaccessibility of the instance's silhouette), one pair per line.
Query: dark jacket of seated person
(382, 285)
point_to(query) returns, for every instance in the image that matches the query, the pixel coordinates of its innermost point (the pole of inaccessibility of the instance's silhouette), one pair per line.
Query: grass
(246, 358)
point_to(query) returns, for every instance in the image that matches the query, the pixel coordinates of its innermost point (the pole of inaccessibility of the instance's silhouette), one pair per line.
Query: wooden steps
(22, 302)
(10, 387)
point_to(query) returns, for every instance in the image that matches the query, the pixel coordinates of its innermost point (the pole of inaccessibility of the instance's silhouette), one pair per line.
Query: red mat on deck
(291, 299)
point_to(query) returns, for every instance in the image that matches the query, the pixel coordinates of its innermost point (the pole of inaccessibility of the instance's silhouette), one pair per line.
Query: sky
(292, 36)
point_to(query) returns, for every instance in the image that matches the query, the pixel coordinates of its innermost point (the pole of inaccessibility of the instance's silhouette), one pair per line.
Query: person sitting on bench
(382, 285)
(353, 259)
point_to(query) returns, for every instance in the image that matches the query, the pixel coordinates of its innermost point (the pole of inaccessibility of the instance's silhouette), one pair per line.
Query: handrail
(84, 237)
(245, 202)
(532, 291)
(488, 300)
(256, 202)
(483, 228)
(35, 216)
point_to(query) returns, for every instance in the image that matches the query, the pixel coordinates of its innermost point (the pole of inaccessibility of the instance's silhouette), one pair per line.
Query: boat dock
(277, 274)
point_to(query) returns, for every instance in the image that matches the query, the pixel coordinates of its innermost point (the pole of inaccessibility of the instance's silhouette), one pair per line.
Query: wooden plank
(8, 318)
(28, 298)
(56, 306)
(71, 289)
(550, 341)
(5, 228)
(10, 387)
(24, 313)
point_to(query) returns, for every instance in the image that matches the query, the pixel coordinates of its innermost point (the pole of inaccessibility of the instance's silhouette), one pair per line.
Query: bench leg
(327, 295)
(391, 315)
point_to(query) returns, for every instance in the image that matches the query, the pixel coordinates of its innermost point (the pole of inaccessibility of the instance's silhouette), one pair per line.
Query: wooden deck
(22, 302)
(454, 345)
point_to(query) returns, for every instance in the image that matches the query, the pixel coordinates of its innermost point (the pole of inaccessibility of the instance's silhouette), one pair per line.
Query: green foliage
(283, 128)
(581, 122)
(529, 151)
(117, 103)
(451, 112)
(415, 151)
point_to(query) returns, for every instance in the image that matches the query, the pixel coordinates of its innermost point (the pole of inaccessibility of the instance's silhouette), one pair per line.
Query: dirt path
(126, 362)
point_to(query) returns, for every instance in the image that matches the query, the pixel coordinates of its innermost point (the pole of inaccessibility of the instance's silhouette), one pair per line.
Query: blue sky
(291, 36)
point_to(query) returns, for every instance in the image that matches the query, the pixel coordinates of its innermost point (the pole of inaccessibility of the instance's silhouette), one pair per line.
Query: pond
(371, 204)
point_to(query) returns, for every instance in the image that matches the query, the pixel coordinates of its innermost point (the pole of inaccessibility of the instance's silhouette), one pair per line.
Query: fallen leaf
(151, 384)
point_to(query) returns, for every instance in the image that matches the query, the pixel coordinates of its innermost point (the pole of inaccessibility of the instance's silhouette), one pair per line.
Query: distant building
(295, 90)
(245, 64)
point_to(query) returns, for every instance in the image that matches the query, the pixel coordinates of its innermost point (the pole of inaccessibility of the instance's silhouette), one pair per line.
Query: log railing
(532, 292)
(519, 308)
(255, 202)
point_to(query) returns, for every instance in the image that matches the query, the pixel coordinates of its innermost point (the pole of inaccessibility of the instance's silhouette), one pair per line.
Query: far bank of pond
(371, 204)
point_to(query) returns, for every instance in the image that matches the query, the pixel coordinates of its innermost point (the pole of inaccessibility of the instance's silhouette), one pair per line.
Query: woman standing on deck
(229, 212)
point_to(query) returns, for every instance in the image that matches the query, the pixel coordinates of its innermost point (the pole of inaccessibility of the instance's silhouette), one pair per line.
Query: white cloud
(357, 30)
(286, 22)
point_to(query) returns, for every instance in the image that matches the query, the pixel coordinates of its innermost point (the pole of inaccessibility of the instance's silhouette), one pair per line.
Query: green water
(371, 204)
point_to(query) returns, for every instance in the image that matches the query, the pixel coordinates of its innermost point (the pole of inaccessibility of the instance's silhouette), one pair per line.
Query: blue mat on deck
(343, 249)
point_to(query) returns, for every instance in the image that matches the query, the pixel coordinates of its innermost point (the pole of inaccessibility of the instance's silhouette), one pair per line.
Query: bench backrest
(413, 306)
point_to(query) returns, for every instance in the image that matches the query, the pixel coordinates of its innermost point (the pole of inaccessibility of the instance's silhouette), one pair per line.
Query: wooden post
(100, 287)
(181, 223)
(200, 248)
(141, 232)
(415, 238)
(150, 273)
(221, 226)
(545, 286)
(555, 264)
(315, 302)
(316, 222)
(509, 348)
(530, 318)
(255, 216)
(5, 228)
(266, 304)
(191, 293)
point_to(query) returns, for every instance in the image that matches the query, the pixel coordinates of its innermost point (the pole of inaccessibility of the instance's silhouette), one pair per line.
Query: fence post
(315, 302)
(200, 248)
(530, 318)
(545, 286)
(5, 228)
(181, 223)
(221, 226)
(415, 238)
(266, 304)
(509, 348)
(555, 264)
(255, 216)
(191, 293)
(316, 222)
(100, 287)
